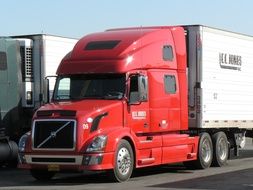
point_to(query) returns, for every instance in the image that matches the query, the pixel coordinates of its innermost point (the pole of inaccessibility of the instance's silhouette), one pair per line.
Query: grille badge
(53, 134)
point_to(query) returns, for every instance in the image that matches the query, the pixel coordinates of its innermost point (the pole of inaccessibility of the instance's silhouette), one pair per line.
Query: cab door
(138, 117)
(148, 144)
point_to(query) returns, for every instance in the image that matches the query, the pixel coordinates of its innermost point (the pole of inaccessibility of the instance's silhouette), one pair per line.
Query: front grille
(54, 134)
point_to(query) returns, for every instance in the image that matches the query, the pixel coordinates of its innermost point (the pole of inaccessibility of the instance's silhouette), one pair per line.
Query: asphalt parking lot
(238, 174)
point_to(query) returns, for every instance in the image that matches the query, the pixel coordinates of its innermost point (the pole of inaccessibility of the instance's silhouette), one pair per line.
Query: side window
(3, 61)
(63, 89)
(167, 53)
(170, 84)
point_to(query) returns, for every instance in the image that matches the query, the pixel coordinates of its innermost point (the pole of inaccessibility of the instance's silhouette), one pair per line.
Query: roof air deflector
(102, 45)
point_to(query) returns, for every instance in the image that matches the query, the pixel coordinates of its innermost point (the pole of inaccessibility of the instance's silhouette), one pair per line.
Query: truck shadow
(244, 153)
(24, 179)
(226, 181)
(20, 178)
(104, 178)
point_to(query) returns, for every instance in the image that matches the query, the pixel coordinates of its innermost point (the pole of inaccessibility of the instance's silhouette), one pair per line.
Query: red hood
(82, 107)
(81, 111)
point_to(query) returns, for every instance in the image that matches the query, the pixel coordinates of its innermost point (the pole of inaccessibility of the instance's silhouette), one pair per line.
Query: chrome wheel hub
(206, 151)
(123, 161)
(222, 149)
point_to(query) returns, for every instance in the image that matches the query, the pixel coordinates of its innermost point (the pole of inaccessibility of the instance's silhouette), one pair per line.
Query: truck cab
(119, 103)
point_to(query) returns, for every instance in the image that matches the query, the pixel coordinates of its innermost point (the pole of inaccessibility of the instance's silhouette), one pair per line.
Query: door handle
(145, 125)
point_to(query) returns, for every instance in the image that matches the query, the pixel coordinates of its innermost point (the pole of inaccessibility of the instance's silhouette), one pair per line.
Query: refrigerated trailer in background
(138, 97)
(25, 61)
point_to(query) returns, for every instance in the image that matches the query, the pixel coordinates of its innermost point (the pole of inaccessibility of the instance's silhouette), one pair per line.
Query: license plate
(53, 168)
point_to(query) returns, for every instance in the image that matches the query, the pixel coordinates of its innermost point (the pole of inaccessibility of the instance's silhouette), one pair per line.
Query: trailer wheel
(220, 146)
(42, 175)
(205, 153)
(123, 162)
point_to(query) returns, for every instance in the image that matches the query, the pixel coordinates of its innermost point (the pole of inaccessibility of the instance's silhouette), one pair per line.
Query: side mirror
(46, 91)
(47, 94)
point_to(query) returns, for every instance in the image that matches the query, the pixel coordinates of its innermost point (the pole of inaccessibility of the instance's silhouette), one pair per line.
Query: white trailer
(41, 55)
(25, 62)
(220, 79)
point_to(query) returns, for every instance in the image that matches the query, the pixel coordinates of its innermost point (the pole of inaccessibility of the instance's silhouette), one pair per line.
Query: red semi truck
(137, 97)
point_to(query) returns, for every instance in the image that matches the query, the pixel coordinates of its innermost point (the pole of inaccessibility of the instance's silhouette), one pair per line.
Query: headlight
(22, 142)
(97, 144)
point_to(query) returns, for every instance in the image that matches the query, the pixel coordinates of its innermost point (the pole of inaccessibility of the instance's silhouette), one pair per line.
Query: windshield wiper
(109, 96)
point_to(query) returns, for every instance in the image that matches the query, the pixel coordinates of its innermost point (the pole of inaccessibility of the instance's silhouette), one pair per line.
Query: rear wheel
(205, 153)
(220, 149)
(123, 161)
(42, 175)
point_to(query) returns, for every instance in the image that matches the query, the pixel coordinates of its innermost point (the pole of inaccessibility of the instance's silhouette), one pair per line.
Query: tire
(42, 175)
(123, 162)
(8, 154)
(14, 151)
(220, 149)
(205, 153)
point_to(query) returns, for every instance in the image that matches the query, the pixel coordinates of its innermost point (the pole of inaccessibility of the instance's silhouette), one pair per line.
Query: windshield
(92, 86)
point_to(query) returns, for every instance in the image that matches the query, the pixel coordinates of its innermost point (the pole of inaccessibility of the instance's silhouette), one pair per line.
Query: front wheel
(42, 175)
(123, 161)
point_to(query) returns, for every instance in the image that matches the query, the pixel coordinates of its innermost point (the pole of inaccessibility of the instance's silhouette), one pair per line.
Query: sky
(76, 18)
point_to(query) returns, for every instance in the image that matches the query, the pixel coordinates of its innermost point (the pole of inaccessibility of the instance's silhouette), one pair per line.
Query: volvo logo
(53, 134)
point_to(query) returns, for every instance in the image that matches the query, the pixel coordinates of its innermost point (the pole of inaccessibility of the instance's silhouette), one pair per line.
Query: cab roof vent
(102, 45)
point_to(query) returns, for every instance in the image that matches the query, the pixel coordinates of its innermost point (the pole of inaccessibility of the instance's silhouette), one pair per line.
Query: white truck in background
(25, 61)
